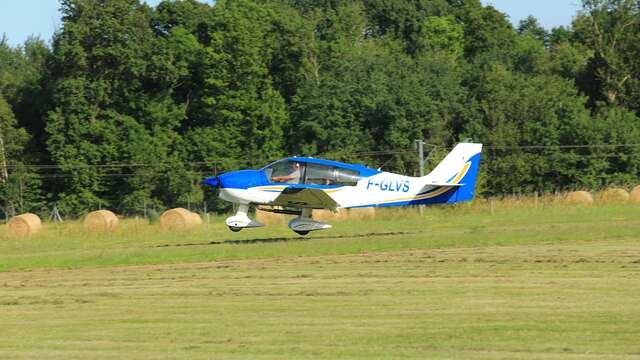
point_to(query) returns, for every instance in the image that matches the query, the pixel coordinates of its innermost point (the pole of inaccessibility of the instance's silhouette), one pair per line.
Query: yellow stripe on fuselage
(461, 175)
(332, 191)
(279, 187)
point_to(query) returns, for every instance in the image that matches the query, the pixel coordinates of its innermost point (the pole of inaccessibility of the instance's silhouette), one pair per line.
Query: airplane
(297, 185)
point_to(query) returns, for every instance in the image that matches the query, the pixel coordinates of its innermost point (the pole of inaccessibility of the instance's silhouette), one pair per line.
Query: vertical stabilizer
(458, 169)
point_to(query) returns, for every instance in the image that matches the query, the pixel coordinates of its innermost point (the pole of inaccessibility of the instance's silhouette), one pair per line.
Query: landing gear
(301, 225)
(304, 224)
(240, 220)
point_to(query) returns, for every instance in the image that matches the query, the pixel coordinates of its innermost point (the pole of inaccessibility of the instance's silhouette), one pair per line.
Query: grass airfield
(506, 281)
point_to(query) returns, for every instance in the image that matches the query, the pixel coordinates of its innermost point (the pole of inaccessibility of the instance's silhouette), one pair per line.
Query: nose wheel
(240, 220)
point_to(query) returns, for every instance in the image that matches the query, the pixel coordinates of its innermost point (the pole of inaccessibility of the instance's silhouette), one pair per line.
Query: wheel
(303, 233)
(234, 229)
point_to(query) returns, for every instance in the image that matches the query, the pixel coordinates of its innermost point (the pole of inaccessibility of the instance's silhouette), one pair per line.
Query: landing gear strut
(240, 220)
(303, 224)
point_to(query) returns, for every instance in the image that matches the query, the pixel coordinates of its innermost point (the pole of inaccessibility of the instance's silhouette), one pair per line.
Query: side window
(330, 175)
(285, 172)
(347, 177)
(320, 175)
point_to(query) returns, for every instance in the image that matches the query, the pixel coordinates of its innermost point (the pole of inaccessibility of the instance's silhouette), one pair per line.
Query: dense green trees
(111, 80)
(131, 106)
(21, 98)
(19, 185)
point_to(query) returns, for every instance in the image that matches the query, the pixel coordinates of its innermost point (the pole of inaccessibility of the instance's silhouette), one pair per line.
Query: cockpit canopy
(293, 171)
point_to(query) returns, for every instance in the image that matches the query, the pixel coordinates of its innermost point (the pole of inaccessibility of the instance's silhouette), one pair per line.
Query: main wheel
(303, 233)
(234, 229)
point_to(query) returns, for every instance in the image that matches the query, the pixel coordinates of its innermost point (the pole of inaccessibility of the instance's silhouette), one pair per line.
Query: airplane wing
(305, 198)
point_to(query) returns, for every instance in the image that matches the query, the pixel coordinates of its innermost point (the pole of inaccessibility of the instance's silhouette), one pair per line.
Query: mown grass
(576, 300)
(516, 279)
(484, 223)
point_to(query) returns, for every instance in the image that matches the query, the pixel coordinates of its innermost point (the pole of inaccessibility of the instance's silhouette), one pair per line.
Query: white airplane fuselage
(379, 190)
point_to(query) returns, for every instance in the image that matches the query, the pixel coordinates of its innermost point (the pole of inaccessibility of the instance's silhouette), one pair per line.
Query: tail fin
(458, 169)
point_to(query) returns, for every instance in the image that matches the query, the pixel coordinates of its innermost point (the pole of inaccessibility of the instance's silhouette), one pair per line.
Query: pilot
(292, 178)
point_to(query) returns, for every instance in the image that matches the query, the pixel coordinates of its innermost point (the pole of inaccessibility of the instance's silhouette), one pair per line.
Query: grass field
(472, 282)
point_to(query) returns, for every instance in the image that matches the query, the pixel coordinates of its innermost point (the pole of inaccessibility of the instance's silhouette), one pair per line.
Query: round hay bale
(100, 221)
(635, 194)
(196, 219)
(579, 198)
(24, 225)
(615, 195)
(179, 219)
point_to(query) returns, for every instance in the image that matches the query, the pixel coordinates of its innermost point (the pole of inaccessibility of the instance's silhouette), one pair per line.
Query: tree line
(130, 106)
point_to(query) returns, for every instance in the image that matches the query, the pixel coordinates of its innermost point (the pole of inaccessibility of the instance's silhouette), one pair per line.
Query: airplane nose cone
(213, 181)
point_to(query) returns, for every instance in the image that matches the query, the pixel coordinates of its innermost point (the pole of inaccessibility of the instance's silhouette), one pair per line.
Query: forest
(129, 107)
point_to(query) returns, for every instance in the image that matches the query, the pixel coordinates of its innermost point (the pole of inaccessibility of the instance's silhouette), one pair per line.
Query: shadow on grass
(284, 239)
